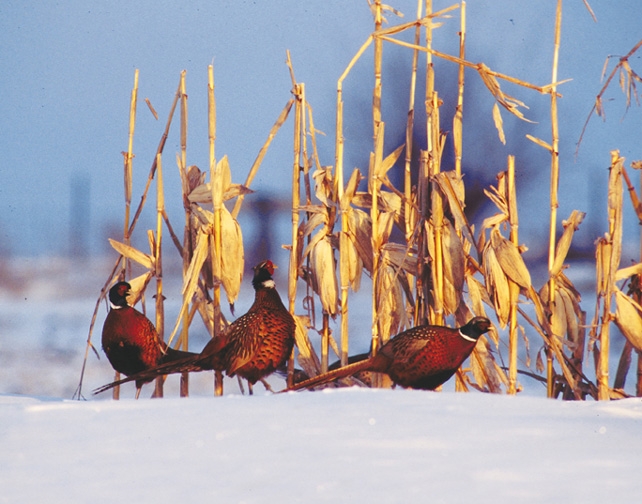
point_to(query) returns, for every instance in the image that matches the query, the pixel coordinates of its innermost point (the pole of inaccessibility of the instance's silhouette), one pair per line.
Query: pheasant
(252, 347)
(423, 357)
(130, 340)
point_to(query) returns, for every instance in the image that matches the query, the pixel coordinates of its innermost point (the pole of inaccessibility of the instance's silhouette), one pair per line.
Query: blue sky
(67, 71)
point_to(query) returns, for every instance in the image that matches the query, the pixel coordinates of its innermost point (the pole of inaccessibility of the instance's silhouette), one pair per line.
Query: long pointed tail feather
(192, 362)
(335, 374)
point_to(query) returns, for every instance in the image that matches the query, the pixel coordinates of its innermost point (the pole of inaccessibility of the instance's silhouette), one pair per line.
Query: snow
(341, 445)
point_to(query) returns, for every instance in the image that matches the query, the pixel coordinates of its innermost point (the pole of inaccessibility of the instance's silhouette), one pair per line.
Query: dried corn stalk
(609, 253)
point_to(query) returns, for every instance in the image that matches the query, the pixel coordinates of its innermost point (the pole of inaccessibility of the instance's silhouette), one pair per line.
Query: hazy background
(67, 72)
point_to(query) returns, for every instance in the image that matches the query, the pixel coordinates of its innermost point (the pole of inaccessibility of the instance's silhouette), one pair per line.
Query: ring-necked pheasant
(423, 357)
(130, 340)
(252, 347)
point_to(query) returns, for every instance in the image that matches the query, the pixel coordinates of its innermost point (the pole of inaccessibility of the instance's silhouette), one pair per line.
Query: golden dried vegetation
(426, 262)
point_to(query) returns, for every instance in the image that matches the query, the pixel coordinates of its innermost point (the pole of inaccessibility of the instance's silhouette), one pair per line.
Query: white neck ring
(467, 338)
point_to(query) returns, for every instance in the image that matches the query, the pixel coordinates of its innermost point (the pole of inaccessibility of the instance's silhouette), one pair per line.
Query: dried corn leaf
(599, 108)
(385, 221)
(190, 279)
(615, 394)
(510, 260)
(564, 243)
(401, 257)
(497, 118)
(527, 346)
(404, 262)
(138, 285)
(463, 315)
(195, 177)
(558, 317)
(202, 218)
(628, 319)
(234, 190)
(385, 8)
(324, 274)
(486, 372)
(572, 320)
(206, 310)
(318, 216)
(360, 231)
(387, 201)
(362, 199)
(567, 313)
(391, 202)
(498, 198)
(185, 186)
(232, 255)
(574, 317)
(494, 221)
(389, 161)
(539, 362)
(628, 272)
(541, 311)
(451, 186)
(203, 193)
(200, 253)
(314, 240)
(232, 251)
(308, 359)
(497, 284)
(602, 264)
(454, 263)
(355, 264)
(222, 179)
(152, 243)
(136, 255)
(540, 142)
(333, 344)
(455, 184)
(323, 185)
(478, 297)
(190, 178)
(508, 102)
(390, 306)
(351, 189)
(622, 80)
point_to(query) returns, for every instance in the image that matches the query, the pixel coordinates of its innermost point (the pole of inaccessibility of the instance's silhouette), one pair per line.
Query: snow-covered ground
(343, 445)
(340, 445)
